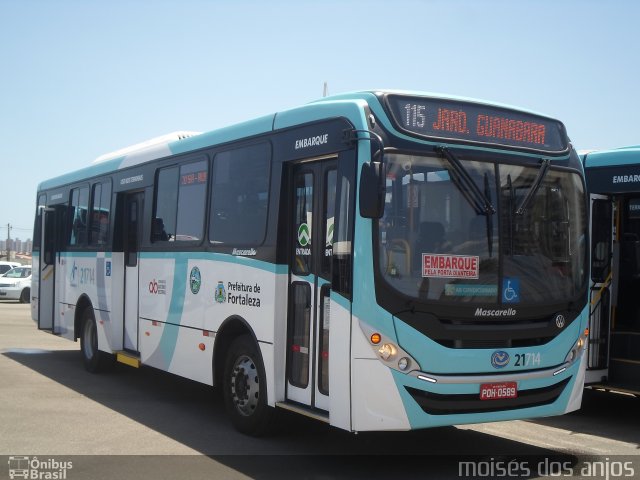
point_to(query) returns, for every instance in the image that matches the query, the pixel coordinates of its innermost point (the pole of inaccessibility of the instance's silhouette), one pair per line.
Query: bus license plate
(498, 391)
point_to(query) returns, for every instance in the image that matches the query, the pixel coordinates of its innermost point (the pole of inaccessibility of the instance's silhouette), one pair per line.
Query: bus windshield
(516, 236)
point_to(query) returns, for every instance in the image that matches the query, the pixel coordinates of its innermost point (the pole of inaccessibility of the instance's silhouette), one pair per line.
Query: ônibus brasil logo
(32, 467)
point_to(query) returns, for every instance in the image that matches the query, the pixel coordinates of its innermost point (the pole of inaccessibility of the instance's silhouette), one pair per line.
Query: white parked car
(16, 284)
(6, 266)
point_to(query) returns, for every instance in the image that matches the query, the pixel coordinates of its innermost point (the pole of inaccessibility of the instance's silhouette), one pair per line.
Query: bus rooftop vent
(153, 142)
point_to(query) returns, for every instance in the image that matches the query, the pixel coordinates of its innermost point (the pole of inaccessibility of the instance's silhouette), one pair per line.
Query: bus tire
(25, 296)
(94, 360)
(245, 388)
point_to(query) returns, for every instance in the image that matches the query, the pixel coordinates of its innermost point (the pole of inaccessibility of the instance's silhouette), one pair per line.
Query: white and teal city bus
(377, 260)
(613, 181)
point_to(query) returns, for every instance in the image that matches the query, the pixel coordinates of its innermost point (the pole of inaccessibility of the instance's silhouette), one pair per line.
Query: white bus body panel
(180, 317)
(575, 400)
(115, 325)
(131, 288)
(277, 368)
(376, 402)
(188, 355)
(35, 284)
(340, 388)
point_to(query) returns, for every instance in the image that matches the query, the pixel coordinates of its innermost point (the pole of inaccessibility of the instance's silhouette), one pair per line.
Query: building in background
(16, 247)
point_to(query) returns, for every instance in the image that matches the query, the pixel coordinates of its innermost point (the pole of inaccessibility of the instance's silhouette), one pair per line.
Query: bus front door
(133, 211)
(603, 280)
(311, 249)
(624, 356)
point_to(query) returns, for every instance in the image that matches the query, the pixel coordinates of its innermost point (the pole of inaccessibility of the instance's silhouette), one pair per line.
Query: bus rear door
(133, 211)
(52, 223)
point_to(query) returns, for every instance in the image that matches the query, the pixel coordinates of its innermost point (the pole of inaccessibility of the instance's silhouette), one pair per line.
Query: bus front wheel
(245, 388)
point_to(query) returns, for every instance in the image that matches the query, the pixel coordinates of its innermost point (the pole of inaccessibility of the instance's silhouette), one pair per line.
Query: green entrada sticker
(304, 235)
(329, 242)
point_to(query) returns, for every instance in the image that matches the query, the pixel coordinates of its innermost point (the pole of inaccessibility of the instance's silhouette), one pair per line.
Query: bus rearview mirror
(371, 191)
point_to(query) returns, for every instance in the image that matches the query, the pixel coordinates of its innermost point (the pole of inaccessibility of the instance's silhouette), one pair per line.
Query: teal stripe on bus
(169, 338)
(223, 135)
(613, 158)
(219, 257)
(86, 254)
(102, 168)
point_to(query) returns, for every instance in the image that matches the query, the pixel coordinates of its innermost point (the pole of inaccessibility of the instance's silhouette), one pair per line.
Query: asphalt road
(143, 423)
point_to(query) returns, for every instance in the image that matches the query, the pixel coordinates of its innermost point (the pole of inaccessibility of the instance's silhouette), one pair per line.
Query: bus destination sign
(478, 123)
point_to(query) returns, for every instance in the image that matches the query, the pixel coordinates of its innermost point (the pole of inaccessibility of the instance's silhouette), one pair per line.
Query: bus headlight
(388, 351)
(578, 347)
(403, 363)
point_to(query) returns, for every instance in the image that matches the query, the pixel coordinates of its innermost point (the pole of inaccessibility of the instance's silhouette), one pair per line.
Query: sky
(82, 78)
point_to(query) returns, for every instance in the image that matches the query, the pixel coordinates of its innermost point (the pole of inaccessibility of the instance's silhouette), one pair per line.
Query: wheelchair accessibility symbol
(510, 290)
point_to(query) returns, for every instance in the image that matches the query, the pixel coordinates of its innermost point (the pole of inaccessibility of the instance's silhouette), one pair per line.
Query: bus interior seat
(478, 228)
(159, 233)
(430, 237)
(430, 240)
(79, 229)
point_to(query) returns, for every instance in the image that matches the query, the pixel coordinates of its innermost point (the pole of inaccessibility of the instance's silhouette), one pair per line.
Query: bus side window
(166, 203)
(180, 203)
(240, 196)
(78, 216)
(342, 251)
(37, 226)
(100, 210)
(49, 246)
(601, 240)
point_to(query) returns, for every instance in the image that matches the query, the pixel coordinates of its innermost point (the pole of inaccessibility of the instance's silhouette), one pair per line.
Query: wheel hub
(245, 386)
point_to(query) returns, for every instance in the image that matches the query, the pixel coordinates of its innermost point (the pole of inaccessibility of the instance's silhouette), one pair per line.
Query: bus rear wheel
(245, 388)
(94, 360)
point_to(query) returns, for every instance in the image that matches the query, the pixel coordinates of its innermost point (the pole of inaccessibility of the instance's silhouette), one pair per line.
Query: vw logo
(560, 320)
(499, 359)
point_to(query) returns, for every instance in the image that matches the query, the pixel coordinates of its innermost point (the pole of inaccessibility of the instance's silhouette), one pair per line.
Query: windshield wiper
(534, 187)
(489, 218)
(512, 197)
(466, 184)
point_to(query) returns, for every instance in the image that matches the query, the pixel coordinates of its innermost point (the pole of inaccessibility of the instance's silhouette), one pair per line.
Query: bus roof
(614, 157)
(613, 171)
(161, 140)
(182, 142)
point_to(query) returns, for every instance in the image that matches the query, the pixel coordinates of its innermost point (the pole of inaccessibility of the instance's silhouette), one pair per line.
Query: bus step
(630, 389)
(306, 411)
(128, 359)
